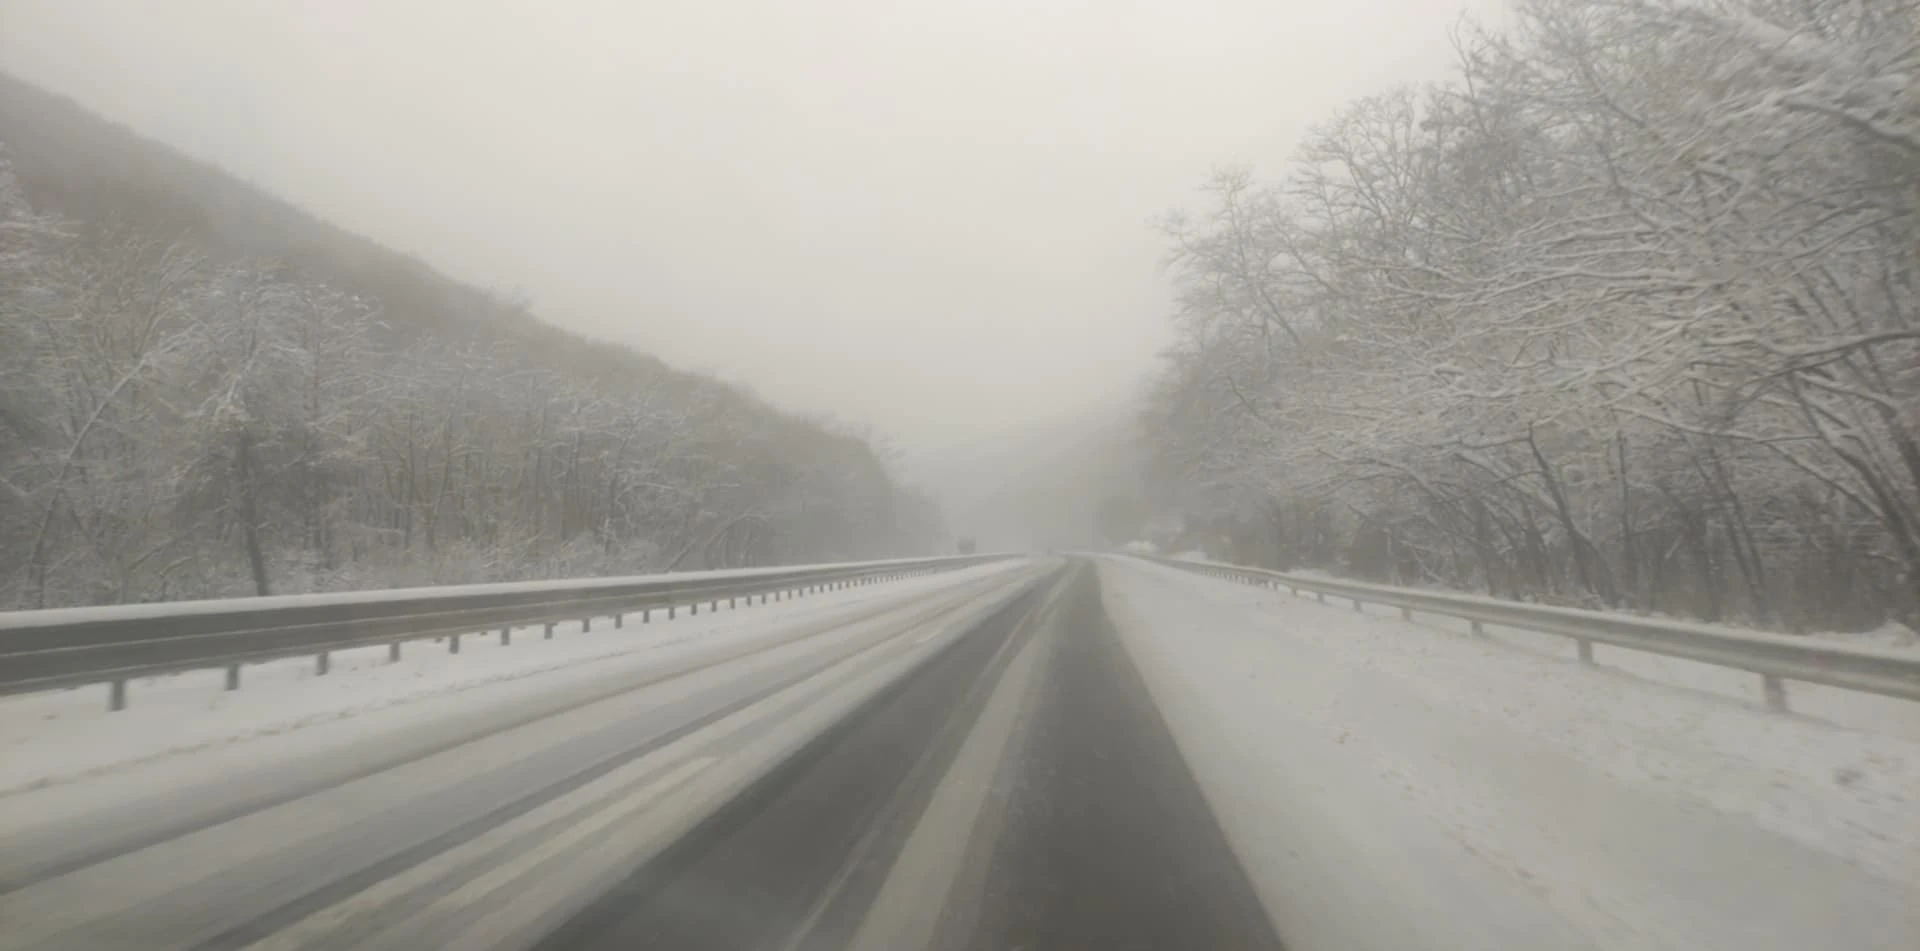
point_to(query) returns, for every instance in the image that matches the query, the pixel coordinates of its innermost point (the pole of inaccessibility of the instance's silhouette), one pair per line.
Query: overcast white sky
(928, 216)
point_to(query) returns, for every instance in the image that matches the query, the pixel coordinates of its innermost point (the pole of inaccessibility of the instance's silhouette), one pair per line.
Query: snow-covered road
(284, 832)
(63, 752)
(1385, 784)
(1394, 785)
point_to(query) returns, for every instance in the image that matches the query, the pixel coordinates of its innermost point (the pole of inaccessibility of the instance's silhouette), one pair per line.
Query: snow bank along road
(1393, 784)
(1092, 754)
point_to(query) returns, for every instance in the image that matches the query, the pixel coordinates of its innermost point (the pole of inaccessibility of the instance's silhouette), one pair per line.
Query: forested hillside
(1626, 313)
(205, 392)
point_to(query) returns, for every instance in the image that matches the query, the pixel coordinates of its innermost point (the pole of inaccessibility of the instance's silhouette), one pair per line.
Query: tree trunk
(243, 465)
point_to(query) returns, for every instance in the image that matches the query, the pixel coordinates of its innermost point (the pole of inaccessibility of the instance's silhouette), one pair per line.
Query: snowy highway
(1040, 754)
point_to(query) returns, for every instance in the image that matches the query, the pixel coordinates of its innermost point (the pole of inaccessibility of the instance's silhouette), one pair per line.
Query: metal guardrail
(68, 647)
(1777, 658)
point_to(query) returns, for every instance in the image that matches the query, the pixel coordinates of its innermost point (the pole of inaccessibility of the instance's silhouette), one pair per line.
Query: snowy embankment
(58, 736)
(1393, 784)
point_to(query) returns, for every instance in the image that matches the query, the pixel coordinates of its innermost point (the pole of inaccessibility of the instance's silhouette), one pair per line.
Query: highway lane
(1110, 843)
(233, 859)
(79, 830)
(977, 769)
(1019, 792)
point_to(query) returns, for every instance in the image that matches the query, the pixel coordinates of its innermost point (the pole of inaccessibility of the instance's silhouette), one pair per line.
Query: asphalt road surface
(1095, 835)
(979, 768)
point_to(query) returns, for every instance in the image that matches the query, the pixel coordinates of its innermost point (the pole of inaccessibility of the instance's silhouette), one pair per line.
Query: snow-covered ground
(55, 737)
(1393, 784)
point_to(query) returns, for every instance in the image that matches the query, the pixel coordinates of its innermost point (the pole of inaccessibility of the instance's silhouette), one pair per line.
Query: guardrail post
(393, 652)
(322, 663)
(453, 643)
(506, 636)
(733, 602)
(233, 676)
(117, 695)
(619, 621)
(586, 625)
(1776, 693)
(549, 633)
(1356, 604)
(1586, 650)
(715, 606)
(646, 615)
(693, 608)
(670, 610)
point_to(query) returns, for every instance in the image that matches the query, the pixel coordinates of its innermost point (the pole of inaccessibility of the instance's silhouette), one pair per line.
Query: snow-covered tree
(179, 421)
(1625, 313)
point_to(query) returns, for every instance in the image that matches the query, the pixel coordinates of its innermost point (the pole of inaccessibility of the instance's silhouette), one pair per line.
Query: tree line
(1624, 313)
(181, 419)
